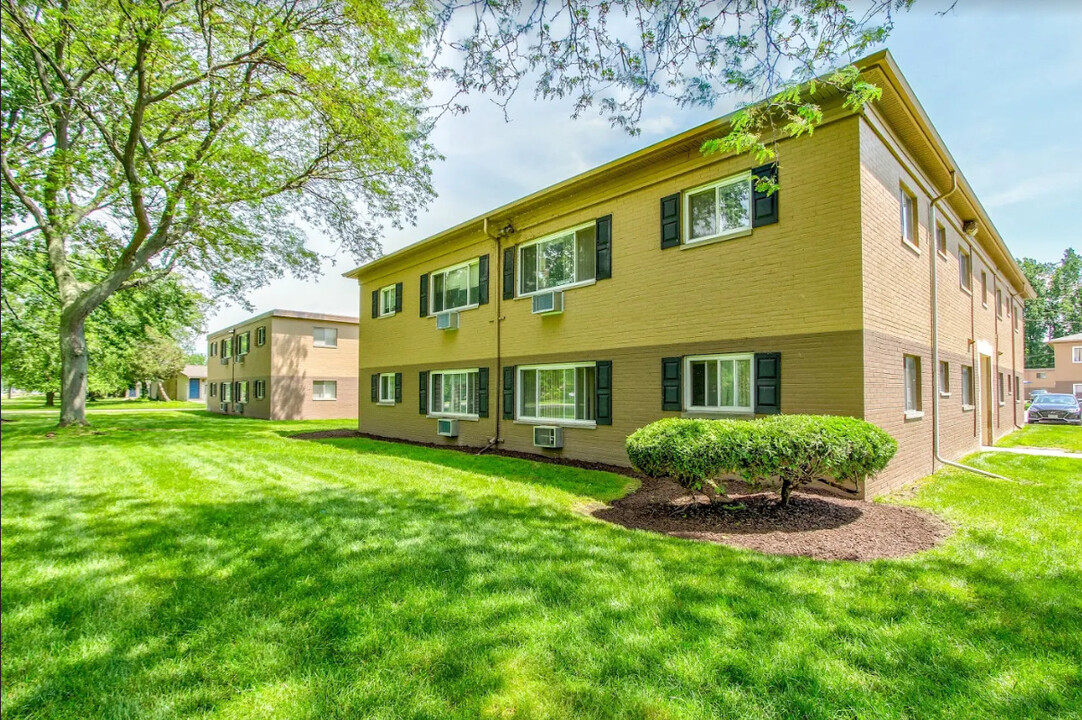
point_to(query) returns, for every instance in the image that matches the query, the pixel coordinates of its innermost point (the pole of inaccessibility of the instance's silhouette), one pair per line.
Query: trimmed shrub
(794, 448)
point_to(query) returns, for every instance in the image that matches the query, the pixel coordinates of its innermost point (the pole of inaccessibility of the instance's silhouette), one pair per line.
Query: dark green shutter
(482, 392)
(398, 297)
(422, 391)
(482, 280)
(764, 206)
(424, 295)
(670, 221)
(509, 274)
(603, 392)
(670, 383)
(604, 248)
(768, 383)
(375, 303)
(398, 387)
(375, 387)
(509, 392)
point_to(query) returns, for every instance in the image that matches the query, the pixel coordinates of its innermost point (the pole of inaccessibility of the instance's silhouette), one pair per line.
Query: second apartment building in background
(284, 365)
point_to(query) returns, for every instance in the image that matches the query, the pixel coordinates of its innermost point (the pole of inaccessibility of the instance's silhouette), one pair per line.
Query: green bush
(796, 449)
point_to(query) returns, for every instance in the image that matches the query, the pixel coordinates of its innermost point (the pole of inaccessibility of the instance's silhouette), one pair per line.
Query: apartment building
(284, 365)
(665, 284)
(1066, 374)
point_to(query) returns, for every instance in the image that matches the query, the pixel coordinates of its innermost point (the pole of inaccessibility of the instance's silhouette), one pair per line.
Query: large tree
(1057, 309)
(115, 333)
(204, 134)
(199, 135)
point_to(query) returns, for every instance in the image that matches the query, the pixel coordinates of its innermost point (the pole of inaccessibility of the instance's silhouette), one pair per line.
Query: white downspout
(934, 253)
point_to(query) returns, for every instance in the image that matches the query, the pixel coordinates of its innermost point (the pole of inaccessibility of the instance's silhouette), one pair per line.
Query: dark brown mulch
(472, 450)
(815, 525)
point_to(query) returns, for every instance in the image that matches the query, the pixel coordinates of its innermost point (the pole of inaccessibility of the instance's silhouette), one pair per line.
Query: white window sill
(709, 411)
(1001, 403)
(914, 414)
(387, 315)
(585, 424)
(942, 255)
(319, 345)
(452, 416)
(967, 291)
(324, 399)
(688, 244)
(560, 288)
(968, 408)
(911, 246)
(433, 313)
(944, 394)
(386, 403)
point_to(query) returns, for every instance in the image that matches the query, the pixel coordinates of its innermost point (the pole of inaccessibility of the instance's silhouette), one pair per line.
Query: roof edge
(294, 314)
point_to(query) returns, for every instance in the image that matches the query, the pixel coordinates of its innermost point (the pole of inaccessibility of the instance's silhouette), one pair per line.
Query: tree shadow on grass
(394, 604)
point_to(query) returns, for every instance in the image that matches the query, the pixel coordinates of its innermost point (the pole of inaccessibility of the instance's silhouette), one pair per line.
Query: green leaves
(795, 448)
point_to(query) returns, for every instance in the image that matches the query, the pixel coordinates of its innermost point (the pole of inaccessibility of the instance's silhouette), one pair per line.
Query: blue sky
(1002, 85)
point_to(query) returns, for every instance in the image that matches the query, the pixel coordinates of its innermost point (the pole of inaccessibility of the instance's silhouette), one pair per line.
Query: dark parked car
(1037, 393)
(1055, 408)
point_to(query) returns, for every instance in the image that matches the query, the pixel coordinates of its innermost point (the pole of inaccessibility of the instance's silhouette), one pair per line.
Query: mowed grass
(1064, 437)
(37, 402)
(190, 565)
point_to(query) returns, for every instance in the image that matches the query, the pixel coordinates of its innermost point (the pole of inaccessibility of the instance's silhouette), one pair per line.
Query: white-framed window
(1077, 388)
(214, 389)
(912, 384)
(325, 337)
(386, 388)
(388, 300)
(242, 391)
(908, 204)
(941, 239)
(324, 389)
(1076, 354)
(213, 349)
(561, 394)
(718, 209)
(455, 287)
(242, 343)
(453, 393)
(1042, 375)
(944, 378)
(1001, 389)
(261, 335)
(984, 288)
(719, 383)
(260, 389)
(227, 392)
(967, 386)
(563, 259)
(965, 268)
(999, 303)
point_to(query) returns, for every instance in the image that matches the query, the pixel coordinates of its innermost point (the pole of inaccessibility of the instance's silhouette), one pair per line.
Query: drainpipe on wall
(497, 289)
(935, 337)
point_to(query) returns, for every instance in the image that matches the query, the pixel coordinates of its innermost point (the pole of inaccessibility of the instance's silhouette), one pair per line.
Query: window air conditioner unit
(224, 407)
(240, 408)
(447, 321)
(240, 359)
(548, 436)
(447, 428)
(547, 303)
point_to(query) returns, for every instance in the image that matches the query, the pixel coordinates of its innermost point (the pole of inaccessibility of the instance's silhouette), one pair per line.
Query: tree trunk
(786, 490)
(73, 365)
(50, 398)
(162, 394)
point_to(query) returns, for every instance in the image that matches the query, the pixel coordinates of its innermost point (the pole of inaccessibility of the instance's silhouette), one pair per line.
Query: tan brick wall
(898, 317)
(289, 362)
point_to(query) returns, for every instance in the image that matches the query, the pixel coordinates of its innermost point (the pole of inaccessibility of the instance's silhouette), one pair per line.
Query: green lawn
(37, 402)
(185, 564)
(1065, 437)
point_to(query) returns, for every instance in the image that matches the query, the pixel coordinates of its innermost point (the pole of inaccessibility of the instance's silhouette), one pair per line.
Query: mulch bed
(815, 525)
